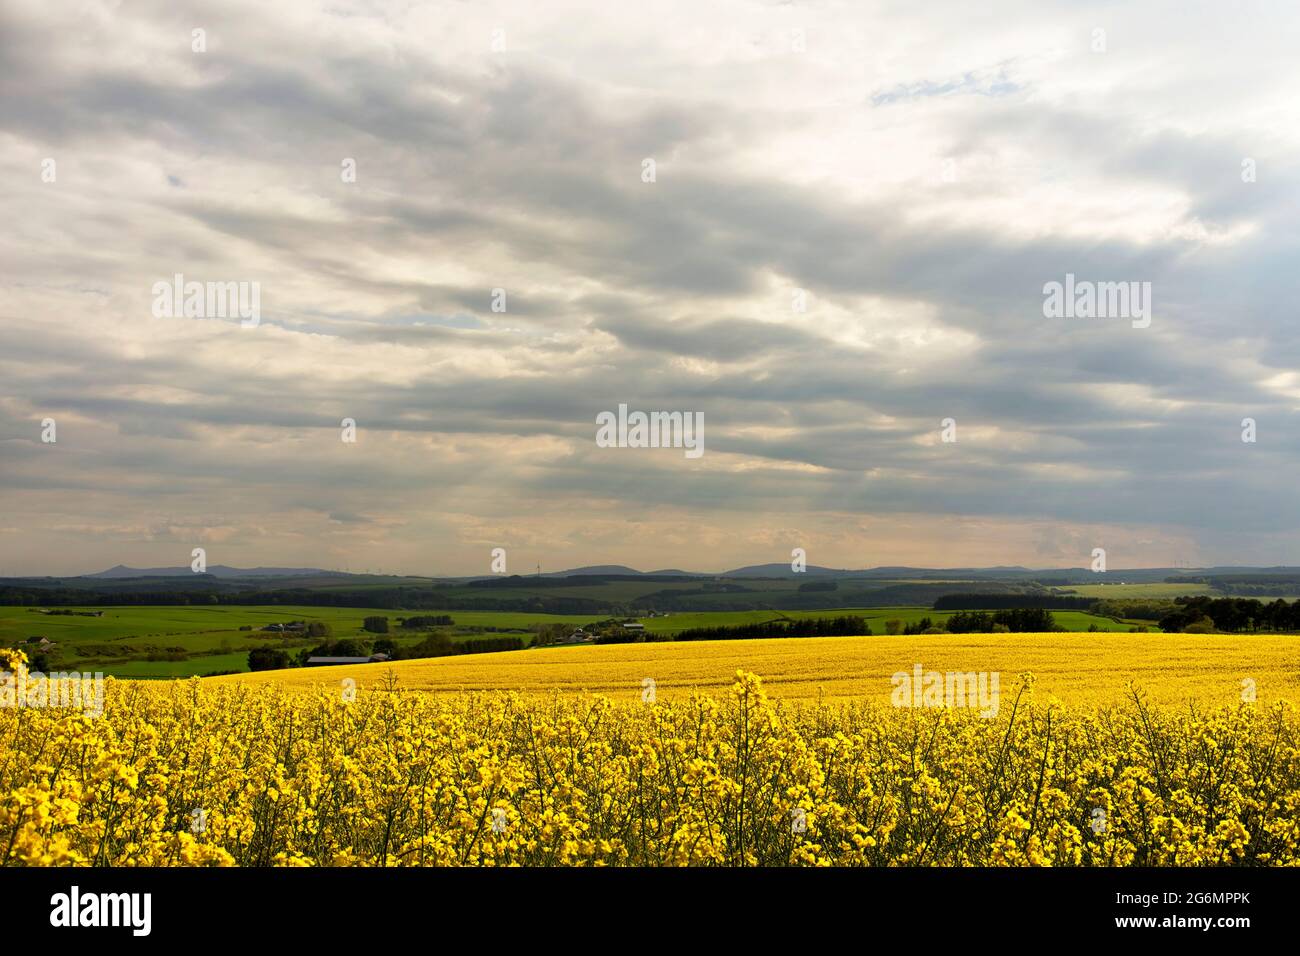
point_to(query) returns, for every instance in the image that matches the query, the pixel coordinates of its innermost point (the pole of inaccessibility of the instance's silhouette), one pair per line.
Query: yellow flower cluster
(188, 773)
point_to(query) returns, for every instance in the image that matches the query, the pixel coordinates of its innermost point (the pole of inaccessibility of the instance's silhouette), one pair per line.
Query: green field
(167, 642)
(179, 641)
(874, 616)
(1082, 620)
(1155, 590)
(200, 666)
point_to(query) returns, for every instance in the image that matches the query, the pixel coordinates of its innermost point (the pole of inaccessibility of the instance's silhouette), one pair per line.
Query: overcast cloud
(920, 170)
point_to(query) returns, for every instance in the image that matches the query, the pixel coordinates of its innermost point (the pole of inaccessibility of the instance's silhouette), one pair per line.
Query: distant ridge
(782, 570)
(591, 569)
(216, 570)
(770, 570)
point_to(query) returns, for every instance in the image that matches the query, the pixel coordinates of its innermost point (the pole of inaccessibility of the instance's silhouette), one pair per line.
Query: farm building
(324, 661)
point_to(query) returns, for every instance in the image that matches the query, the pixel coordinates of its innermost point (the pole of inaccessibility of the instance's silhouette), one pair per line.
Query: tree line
(1234, 614)
(802, 627)
(1017, 620)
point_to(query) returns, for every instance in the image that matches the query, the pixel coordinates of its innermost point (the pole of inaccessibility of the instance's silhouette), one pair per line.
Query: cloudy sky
(919, 170)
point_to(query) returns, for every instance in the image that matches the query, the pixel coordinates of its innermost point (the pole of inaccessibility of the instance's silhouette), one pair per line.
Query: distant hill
(1234, 579)
(216, 570)
(771, 570)
(592, 569)
(781, 571)
(620, 590)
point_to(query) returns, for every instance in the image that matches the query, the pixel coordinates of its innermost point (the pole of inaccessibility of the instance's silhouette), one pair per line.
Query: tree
(436, 644)
(1026, 620)
(318, 629)
(552, 633)
(376, 625)
(267, 659)
(970, 622)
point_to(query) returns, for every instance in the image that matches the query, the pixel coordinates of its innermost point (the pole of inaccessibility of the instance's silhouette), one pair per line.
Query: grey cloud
(525, 174)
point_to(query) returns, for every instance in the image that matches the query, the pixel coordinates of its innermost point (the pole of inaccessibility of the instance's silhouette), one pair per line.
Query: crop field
(166, 642)
(190, 667)
(146, 623)
(1153, 590)
(138, 623)
(261, 770)
(874, 616)
(1086, 669)
(614, 591)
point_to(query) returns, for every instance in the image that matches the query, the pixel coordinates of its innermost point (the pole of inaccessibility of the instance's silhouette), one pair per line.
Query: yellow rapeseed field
(305, 768)
(1075, 668)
